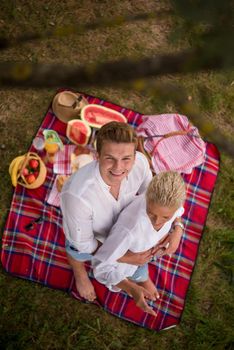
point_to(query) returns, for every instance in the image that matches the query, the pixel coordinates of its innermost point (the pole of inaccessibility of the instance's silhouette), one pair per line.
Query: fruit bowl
(32, 171)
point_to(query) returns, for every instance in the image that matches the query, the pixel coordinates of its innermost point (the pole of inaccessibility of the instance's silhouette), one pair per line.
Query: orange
(51, 147)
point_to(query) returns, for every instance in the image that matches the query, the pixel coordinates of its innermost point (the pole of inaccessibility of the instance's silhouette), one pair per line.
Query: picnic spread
(33, 242)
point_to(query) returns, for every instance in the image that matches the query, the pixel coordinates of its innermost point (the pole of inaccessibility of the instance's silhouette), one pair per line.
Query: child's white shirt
(133, 231)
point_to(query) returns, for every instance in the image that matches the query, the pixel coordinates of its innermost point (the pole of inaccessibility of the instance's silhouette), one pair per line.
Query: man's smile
(113, 173)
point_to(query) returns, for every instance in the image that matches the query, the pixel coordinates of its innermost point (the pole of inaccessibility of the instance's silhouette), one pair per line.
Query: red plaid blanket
(35, 250)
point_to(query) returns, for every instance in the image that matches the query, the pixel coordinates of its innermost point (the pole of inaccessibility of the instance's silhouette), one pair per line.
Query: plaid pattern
(37, 252)
(62, 163)
(53, 196)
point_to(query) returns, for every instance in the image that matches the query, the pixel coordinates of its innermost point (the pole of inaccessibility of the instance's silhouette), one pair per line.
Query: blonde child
(144, 224)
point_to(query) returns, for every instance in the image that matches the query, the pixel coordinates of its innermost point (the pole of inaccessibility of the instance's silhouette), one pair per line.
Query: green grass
(35, 317)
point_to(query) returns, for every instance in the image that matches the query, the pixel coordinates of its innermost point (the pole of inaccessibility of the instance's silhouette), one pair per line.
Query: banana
(13, 163)
(14, 168)
(15, 171)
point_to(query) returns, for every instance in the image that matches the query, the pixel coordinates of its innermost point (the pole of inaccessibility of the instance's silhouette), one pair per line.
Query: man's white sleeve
(78, 223)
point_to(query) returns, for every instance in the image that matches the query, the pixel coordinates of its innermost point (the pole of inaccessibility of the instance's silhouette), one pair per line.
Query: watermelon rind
(69, 133)
(118, 117)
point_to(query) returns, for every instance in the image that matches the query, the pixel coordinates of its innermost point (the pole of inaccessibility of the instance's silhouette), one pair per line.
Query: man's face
(116, 161)
(158, 214)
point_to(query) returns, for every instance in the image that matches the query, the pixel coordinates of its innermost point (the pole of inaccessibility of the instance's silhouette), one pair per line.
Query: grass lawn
(35, 317)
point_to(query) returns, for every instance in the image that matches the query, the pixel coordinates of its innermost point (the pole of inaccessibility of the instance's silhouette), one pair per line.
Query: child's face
(158, 214)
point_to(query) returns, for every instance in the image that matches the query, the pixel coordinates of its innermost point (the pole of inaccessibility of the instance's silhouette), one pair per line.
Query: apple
(33, 163)
(36, 173)
(30, 178)
(25, 171)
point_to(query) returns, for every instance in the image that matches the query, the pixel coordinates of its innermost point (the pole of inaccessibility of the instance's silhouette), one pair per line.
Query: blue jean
(75, 254)
(141, 274)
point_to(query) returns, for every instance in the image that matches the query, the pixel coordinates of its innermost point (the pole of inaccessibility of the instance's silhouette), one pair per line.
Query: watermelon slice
(97, 116)
(78, 132)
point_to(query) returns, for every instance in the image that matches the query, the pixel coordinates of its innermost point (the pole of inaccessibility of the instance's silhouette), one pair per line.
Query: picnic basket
(42, 171)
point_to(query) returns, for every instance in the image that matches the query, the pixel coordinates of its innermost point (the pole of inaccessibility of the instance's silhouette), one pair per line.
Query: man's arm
(77, 223)
(138, 259)
(172, 242)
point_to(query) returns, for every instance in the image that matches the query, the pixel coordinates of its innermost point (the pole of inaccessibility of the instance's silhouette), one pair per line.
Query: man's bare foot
(85, 287)
(150, 287)
(83, 284)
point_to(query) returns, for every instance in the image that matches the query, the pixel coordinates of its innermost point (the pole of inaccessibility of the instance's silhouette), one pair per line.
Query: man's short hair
(167, 189)
(116, 132)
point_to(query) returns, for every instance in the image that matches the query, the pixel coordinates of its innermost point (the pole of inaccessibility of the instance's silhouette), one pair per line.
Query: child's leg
(141, 274)
(141, 277)
(150, 287)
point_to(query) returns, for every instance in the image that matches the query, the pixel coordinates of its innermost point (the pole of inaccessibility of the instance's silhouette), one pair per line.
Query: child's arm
(173, 239)
(138, 293)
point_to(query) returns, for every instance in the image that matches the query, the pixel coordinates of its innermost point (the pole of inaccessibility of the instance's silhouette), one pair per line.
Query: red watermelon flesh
(78, 132)
(97, 116)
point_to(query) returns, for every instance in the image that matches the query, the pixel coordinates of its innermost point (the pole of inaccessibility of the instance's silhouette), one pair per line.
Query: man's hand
(138, 259)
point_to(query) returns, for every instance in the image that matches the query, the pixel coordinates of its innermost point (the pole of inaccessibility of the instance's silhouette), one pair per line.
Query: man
(93, 197)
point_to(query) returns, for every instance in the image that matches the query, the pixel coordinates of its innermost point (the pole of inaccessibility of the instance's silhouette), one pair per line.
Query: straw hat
(67, 105)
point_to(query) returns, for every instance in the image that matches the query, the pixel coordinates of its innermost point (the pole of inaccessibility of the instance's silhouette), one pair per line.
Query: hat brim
(63, 112)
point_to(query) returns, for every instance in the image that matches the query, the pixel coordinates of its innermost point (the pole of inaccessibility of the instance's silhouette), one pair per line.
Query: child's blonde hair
(116, 132)
(167, 189)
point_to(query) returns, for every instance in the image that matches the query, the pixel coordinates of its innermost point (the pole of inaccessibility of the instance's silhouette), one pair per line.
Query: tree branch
(124, 73)
(13, 74)
(79, 29)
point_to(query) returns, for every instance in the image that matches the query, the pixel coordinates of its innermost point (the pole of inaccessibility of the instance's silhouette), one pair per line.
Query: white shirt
(89, 209)
(133, 231)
